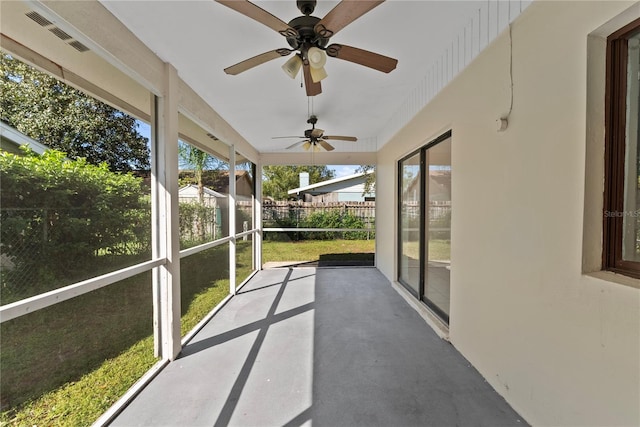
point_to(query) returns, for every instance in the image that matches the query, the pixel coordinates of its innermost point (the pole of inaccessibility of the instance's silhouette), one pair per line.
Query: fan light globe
(317, 74)
(317, 58)
(292, 66)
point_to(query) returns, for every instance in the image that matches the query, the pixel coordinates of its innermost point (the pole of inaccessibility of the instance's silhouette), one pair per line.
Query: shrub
(197, 224)
(55, 210)
(332, 219)
(329, 218)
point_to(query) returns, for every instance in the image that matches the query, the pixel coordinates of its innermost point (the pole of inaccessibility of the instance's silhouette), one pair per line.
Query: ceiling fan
(308, 36)
(315, 138)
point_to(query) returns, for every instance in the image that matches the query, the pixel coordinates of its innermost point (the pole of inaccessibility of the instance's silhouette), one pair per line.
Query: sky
(343, 170)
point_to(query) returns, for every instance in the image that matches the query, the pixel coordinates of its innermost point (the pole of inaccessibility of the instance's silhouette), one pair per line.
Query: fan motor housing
(304, 25)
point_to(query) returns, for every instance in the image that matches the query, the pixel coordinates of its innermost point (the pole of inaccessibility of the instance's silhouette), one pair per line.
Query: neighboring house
(12, 139)
(244, 184)
(218, 182)
(212, 199)
(189, 194)
(345, 189)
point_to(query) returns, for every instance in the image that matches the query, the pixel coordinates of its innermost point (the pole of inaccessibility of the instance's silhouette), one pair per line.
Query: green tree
(66, 119)
(277, 180)
(370, 182)
(193, 158)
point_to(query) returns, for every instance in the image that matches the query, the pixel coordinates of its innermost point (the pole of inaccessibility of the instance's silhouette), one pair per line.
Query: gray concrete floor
(322, 347)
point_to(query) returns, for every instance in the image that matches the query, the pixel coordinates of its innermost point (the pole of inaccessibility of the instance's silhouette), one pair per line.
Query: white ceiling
(201, 38)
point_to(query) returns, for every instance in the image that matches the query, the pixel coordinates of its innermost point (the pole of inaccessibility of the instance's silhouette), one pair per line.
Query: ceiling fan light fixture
(317, 57)
(309, 36)
(317, 74)
(306, 146)
(292, 66)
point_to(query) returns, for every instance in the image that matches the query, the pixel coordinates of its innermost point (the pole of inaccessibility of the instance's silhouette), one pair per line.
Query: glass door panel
(438, 227)
(410, 209)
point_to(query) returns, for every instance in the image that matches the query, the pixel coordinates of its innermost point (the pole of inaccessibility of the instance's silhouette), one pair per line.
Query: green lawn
(312, 250)
(67, 364)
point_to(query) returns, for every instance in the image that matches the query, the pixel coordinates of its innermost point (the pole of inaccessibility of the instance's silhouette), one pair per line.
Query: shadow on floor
(329, 260)
(327, 346)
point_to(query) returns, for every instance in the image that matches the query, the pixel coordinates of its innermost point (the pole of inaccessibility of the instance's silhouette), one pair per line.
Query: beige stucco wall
(562, 347)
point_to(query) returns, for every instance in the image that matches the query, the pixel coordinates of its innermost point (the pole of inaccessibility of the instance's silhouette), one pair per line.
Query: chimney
(304, 179)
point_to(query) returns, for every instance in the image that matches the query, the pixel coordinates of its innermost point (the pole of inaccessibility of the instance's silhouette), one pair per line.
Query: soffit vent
(78, 46)
(62, 35)
(212, 137)
(39, 19)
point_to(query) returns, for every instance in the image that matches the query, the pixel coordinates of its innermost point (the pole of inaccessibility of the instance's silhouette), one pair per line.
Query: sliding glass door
(424, 257)
(437, 229)
(410, 217)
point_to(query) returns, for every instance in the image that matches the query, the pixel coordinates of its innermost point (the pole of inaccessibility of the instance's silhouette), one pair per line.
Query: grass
(312, 250)
(59, 344)
(67, 364)
(79, 403)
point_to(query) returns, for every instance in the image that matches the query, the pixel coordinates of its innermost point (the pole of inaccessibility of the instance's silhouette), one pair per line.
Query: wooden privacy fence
(281, 210)
(298, 220)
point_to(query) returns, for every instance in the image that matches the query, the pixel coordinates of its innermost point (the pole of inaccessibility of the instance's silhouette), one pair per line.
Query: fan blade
(342, 15)
(313, 88)
(325, 145)
(256, 60)
(316, 133)
(288, 137)
(362, 57)
(341, 138)
(297, 144)
(262, 16)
